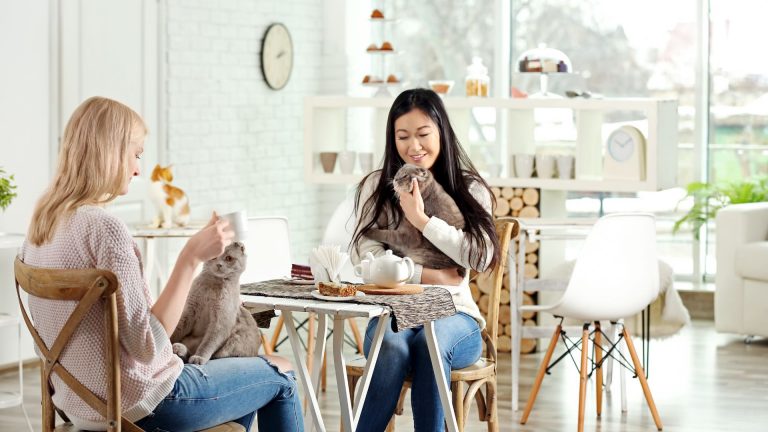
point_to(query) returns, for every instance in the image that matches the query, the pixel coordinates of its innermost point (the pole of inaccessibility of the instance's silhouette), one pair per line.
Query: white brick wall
(234, 142)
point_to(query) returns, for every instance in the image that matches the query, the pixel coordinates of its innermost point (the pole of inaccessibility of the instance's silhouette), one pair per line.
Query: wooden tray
(401, 290)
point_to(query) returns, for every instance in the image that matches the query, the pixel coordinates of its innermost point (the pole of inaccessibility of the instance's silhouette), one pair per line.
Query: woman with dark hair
(419, 133)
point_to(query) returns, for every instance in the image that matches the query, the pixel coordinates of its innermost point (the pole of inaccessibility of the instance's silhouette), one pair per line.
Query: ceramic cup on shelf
(523, 163)
(347, 161)
(328, 160)
(366, 161)
(545, 166)
(494, 170)
(565, 166)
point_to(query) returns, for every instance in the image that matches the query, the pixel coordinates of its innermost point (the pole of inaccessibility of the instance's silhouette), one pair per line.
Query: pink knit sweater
(92, 238)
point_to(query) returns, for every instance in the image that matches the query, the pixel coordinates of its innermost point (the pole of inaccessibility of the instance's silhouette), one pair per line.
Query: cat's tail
(181, 218)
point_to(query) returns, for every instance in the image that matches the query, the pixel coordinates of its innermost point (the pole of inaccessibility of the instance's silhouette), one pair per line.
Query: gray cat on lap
(214, 323)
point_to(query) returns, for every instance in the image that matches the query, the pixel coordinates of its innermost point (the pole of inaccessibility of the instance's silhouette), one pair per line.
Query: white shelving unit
(330, 125)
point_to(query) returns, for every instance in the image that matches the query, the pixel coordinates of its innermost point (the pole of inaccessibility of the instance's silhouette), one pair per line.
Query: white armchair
(741, 295)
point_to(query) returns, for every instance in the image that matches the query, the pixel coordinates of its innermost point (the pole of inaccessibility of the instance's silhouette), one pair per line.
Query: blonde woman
(70, 228)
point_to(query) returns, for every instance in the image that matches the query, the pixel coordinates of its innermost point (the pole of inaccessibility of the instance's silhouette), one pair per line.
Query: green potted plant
(709, 198)
(6, 190)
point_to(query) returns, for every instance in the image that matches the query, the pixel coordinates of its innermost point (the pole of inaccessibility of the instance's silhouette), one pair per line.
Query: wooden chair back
(87, 287)
(506, 230)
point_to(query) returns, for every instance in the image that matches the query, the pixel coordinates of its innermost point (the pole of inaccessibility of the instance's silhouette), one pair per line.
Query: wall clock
(276, 56)
(624, 155)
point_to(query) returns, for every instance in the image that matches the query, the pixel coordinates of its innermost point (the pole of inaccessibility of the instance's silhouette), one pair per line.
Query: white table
(339, 312)
(152, 262)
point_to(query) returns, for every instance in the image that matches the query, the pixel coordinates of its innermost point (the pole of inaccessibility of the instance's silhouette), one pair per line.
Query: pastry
(392, 79)
(336, 289)
(386, 46)
(377, 14)
(366, 79)
(372, 47)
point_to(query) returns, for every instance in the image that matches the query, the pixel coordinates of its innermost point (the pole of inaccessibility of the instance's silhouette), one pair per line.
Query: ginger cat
(172, 203)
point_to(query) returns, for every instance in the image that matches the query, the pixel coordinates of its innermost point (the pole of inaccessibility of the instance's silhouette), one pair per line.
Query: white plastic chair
(268, 249)
(339, 231)
(615, 276)
(269, 257)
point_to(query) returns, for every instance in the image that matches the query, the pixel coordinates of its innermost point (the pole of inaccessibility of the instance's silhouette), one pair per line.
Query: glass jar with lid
(478, 81)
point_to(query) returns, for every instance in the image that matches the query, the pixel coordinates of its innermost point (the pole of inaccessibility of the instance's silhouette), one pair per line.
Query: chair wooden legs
(540, 375)
(583, 375)
(276, 332)
(457, 390)
(265, 344)
(493, 409)
(598, 369)
(641, 376)
(356, 334)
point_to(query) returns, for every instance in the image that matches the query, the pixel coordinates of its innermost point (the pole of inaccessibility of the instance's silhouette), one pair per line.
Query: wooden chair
(467, 382)
(87, 287)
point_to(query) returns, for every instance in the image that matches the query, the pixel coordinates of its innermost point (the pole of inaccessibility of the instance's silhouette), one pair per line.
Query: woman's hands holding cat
(210, 241)
(413, 207)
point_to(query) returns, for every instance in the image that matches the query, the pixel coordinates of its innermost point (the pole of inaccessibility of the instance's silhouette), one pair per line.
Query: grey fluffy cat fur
(405, 239)
(214, 323)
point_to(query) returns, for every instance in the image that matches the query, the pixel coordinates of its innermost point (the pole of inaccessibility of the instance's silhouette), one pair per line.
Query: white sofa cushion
(752, 260)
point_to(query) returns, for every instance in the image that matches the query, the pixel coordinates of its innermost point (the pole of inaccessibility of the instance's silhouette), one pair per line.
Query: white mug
(545, 166)
(366, 162)
(347, 161)
(238, 222)
(363, 270)
(565, 166)
(494, 170)
(523, 165)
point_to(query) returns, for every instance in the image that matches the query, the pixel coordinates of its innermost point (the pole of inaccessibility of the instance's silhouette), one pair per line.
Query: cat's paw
(196, 359)
(180, 350)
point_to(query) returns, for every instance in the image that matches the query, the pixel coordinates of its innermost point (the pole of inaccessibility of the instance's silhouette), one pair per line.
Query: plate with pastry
(333, 291)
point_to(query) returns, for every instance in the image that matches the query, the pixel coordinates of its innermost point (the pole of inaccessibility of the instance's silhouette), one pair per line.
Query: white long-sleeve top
(451, 241)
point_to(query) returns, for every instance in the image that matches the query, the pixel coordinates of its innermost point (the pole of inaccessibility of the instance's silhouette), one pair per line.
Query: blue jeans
(229, 389)
(406, 351)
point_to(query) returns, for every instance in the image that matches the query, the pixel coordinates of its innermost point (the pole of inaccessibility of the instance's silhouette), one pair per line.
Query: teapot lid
(389, 256)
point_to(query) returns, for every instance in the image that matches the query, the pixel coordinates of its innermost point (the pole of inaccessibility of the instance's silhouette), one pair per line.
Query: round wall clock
(276, 56)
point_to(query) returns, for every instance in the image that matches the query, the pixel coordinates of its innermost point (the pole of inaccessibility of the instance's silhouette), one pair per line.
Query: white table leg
(442, 386)
(317, 356)
(149, 265)
(304, 377)
(370, 364)
(345, 405)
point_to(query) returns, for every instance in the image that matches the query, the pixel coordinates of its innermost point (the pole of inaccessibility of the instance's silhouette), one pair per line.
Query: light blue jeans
(229, 389)
(404, 352)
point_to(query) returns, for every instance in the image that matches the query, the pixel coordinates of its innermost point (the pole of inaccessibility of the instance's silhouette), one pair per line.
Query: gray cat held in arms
(214, 323)
(405, 239)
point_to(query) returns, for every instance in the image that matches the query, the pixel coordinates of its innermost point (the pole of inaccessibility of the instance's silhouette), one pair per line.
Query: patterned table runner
(407, 310)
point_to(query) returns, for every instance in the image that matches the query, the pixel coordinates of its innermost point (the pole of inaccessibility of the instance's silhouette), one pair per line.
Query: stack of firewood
(516, 202)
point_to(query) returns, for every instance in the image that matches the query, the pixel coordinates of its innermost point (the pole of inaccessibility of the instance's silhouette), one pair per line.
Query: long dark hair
(452, 169)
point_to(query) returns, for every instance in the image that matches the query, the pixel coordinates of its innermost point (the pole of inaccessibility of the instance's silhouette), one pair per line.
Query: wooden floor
(701, 381)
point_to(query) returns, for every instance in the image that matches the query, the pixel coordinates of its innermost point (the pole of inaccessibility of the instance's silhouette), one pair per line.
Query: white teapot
(389, 270)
